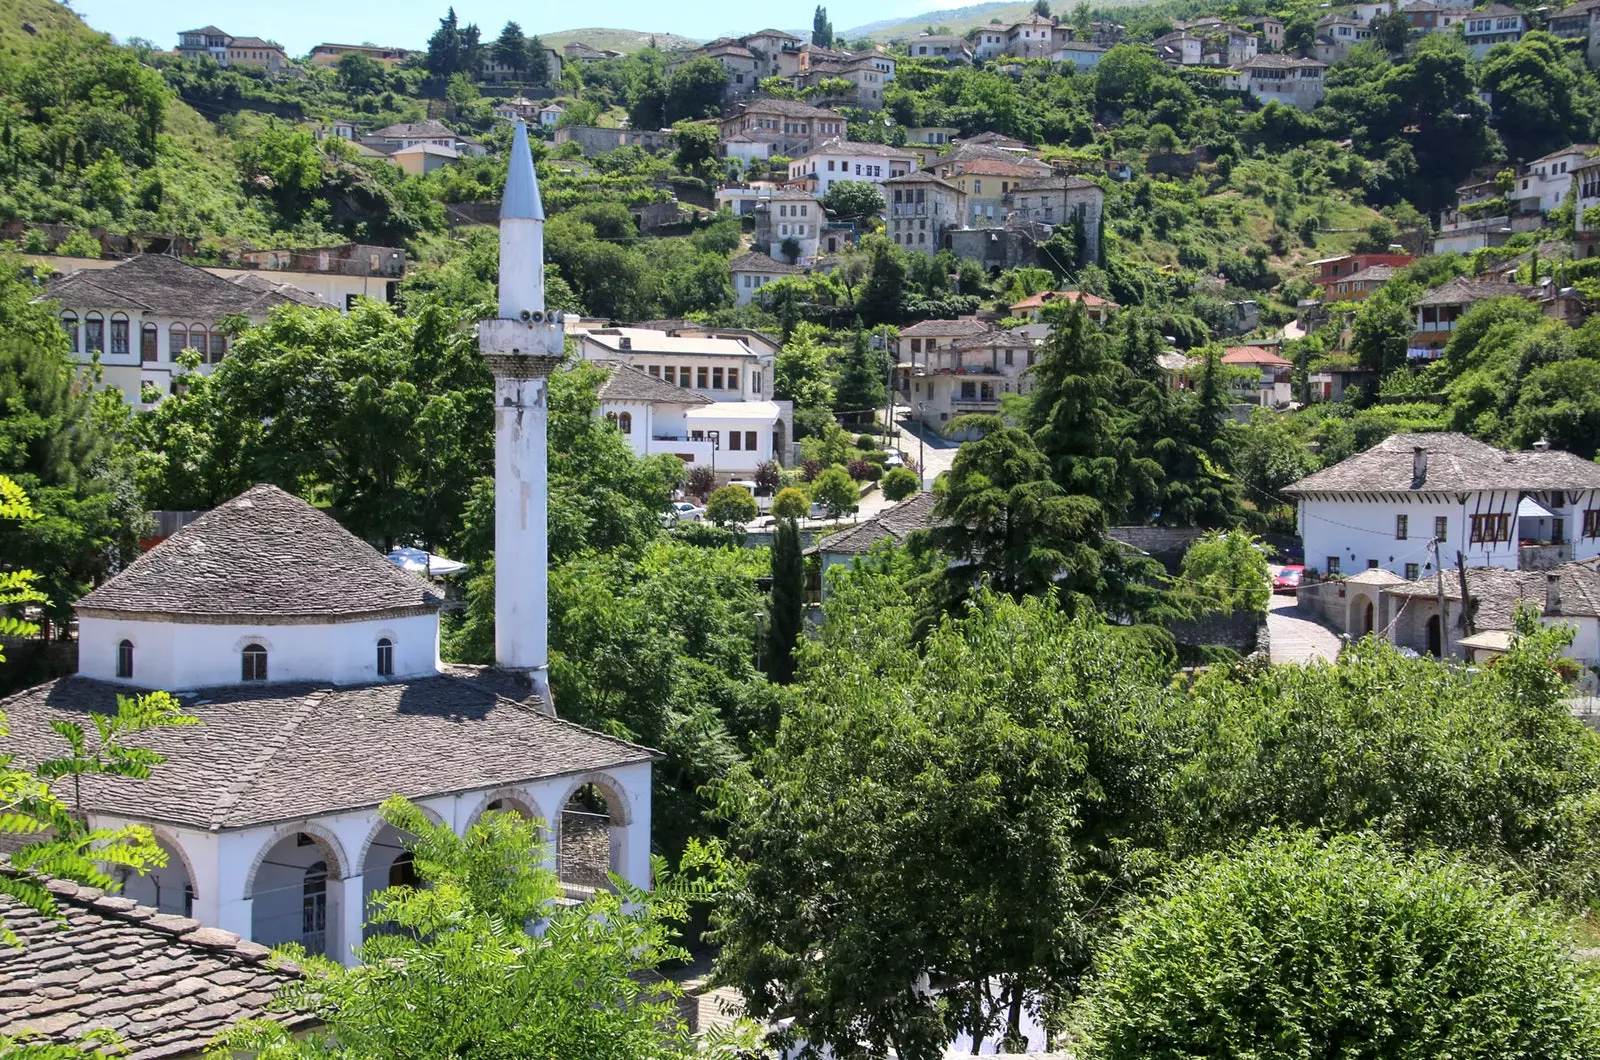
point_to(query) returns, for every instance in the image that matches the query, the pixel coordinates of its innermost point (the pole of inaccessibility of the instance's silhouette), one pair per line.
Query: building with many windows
(138, 317)
(838, 159)
(920, 208)
(784, 126)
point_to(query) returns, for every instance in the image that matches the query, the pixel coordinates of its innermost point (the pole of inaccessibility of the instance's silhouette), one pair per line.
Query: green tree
(286, 161)
(982, 799)
(1226, 572)
(585, 985)
(790, 503)
(1536, 96)
(1291, 948)
(900, 483)
(444, 54)
(538, 68)
(1073, 419)
(821, 28)
(730, 506)
(41, 816)
(1002, 517)
(360, 73)
(1560, 403)
(1491, 765)
(859, 390)
(853, 200)
(881, 295)
(836, 490)
(68, 449)
(510, 49)
(696, 144)
(695, 90)
(786, 601)
(1390, 31)
(800, 371)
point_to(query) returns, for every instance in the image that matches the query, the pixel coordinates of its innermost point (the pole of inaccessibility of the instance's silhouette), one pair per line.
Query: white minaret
(522, 346)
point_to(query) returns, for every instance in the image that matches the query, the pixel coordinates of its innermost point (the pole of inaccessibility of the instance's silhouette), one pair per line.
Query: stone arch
(1360, 616)
(378, 825)
(589, 844)
(338, 861)
(253, 638)
(169, 838)
(617, 804)
(171, 888)
(520, 797)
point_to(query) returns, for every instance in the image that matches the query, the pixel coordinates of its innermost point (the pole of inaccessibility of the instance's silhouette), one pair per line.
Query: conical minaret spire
(522, 345)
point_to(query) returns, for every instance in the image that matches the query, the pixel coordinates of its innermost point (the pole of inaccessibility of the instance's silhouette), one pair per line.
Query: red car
(1287, 579)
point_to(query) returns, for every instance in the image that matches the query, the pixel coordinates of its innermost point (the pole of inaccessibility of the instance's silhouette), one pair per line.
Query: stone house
(950, 48)
(1439, 309)
(790, 213)
(1054, 201)
(753, 271)
(1291, 81)
(787, 127)
(920, 208)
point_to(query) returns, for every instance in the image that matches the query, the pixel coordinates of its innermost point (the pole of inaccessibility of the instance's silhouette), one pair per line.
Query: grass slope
(27, 24)
(626, 41)
(962, 19)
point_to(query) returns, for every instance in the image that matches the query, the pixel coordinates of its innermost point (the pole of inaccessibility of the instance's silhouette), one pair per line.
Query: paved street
(936, 451)
(1296, 636)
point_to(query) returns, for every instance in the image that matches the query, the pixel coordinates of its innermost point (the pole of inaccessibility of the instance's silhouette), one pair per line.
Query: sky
(300, 24)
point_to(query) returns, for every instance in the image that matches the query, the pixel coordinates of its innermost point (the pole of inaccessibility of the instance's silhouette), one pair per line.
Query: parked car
(684, 512)
(893, 460)
(1286, 579)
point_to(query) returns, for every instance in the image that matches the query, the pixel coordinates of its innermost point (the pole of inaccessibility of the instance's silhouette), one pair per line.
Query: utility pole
(1466, 604)
(1438, 570)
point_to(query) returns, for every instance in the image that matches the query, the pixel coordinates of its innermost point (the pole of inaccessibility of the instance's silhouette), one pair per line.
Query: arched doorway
(295, 894)
(1435, 641)
(780, 442)
(1360, 623)
(387, 863)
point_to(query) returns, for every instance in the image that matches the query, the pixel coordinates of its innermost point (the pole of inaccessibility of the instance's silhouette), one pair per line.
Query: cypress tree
(786, 602)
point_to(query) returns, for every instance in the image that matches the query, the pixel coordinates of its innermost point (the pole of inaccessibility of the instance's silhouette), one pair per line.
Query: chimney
(1552, 594)
(1419, 466)
(625, 343)
(1542, 445)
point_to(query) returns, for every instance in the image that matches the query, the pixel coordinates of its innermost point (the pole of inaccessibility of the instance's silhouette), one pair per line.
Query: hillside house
(1356, 287)
(224, 49)
(985, 178)
(1439, 309)
(1179, 48)
(744, 70)
(1082, 54)
(950, 48)
(578, 51)
(970, 373)
(777, 53)
(1330, 270)
(657, 417)
(988, 42)
(1385, 508)
(136, 318)
(1485, 27)
(1036, 37)
(920, 208)
(790, 214)
(786, 127)
(1288, 80)
(1259, 376)
(1337, 34)
(1572, 22)
(716, 365)
(1044, 203)
(753, 271)
(1032, 307)
(329, 54)
(1546, 182)
(492, 71)
(866, 72)
(1270, 31)
(838, 159)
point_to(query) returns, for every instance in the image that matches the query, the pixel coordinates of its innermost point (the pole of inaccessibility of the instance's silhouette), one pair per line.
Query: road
(1297, 637)
(935, 451)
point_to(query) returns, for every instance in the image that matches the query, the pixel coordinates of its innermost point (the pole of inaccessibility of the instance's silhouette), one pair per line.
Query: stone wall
(1239, 630)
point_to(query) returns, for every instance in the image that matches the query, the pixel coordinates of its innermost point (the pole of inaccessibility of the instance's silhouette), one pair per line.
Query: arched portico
(592, 836)
(170, 888)
(1359, 619)
(296, 893)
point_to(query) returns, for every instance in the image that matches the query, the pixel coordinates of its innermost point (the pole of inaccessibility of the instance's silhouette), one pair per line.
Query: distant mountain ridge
(971, 15)
(626, 41)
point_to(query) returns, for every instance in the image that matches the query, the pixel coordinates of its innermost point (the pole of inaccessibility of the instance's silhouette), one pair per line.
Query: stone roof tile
(262, 555)
(1455, 463)
(114, 964)
(264, 753)
(892, 524)
(755, 261)
(161, 284)
(941, 328)
(1464, 290)
(627, 383)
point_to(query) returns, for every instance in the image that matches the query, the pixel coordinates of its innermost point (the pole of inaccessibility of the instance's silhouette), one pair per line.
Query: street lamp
(716, 443)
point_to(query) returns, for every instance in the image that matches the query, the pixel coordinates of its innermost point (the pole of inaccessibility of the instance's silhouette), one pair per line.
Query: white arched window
(385, 657)
(253, 663)
(125, 659)
(94, 333)
(218, 345)
(69, 322)
(177, 340)
(119, 334)
(625, 422)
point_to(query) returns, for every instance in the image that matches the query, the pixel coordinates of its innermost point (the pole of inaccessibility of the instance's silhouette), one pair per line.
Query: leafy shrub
(768, 476)
(730, 505)
(864, 470)
(790, 503)
(835, 489)
(699, 481)
(900, 483)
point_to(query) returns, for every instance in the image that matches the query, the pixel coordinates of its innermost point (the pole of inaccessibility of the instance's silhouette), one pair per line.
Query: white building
(1292, 82)
(1385, 508)
(989, 42)
(717, 366)
(1259, 376)
(1547, 181)
(753, 271)
(312, 664)
(137, 317)
(948, 47)
(837, 160)
(790, 214)
(1496, 24)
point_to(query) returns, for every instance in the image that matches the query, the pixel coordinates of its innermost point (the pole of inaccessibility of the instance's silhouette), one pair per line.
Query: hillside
(626, 41)
(25, 25)
(958, 19)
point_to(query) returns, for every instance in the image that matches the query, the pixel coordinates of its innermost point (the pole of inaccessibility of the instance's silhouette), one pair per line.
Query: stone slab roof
(788, 108)
(264, 753)
(942, 328)
(166, 985)
(1463, 290)
(628, 383)
(863, 149)
(922, 176)
(892, 524)
(254, 281)
(421, 130)
(1455, 463)
(1373, 274)
(755, 261)
(161, 284)
(1056, 184)
(1497, 591)
(263, 555)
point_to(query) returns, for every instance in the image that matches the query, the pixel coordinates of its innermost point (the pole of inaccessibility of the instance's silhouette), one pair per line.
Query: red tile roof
(1091, 301)
(1254, 355)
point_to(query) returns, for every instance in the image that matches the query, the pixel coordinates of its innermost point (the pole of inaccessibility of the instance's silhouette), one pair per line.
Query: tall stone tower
(521, 347)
